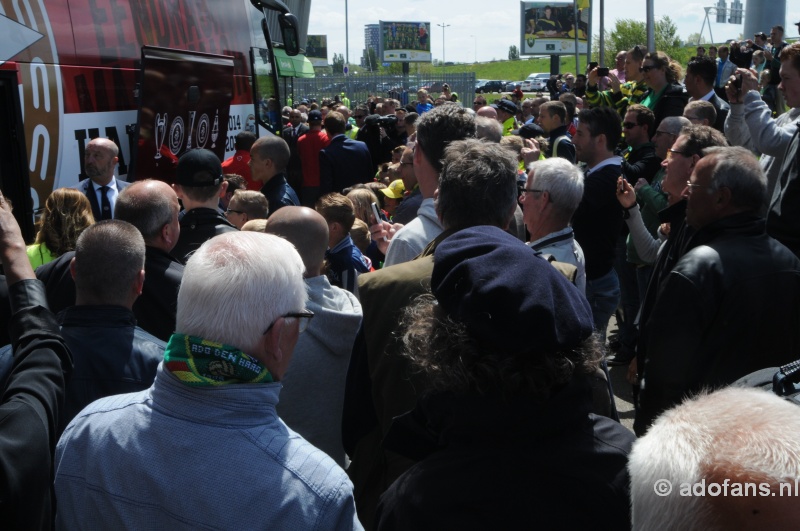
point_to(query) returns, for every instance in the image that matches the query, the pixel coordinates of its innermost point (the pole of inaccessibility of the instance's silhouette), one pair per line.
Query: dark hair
(700, 137)
(644, 116)
(555, 108)
(602, 121)
(705, 67)
(672, 70)
(244, 141)
(235, 182)
(274, 148)
(637, 53)
(108, 257)
(477, 185)
(440, 126)
(570, 101)
(443, 350)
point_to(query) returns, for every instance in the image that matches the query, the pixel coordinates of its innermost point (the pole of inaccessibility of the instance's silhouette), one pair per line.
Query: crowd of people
(396, 318)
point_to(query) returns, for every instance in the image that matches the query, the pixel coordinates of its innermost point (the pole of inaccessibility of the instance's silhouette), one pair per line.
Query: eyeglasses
(478, 103)
(360, 116)
(235, 211)
(692, 186)
(647, 68)
(629, 125)
(304, 318)
(671, 151)
(530, 191)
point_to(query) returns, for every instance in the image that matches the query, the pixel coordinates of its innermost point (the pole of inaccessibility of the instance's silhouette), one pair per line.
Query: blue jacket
(344, 163)
(279, 193)
(180, 457)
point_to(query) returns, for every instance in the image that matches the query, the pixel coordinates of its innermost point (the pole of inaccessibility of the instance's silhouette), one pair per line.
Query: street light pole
(444, 59)
(346, 36)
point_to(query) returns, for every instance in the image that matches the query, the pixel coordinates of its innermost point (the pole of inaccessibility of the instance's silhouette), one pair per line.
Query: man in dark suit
(152, 207)
(344, 162)
(290, 133)
(102, 188)
(700, 76)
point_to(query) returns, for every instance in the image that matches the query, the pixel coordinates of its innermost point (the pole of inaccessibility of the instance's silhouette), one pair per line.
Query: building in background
(372, 41)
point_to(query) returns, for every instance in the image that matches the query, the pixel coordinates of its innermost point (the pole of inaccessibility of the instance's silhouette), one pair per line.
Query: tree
(372, 60)
(627, 33)
(696, 39)
(338, 63)
(513, 53)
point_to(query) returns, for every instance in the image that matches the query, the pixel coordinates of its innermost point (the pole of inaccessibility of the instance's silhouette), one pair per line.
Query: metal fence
(359, 87)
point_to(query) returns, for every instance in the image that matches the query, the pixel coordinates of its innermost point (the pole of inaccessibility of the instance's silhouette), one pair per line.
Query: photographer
(380, 135)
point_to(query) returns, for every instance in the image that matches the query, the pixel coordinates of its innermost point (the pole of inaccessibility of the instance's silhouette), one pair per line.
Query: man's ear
(72, 267)
(139, 283)
(269, 350)
(223, 189)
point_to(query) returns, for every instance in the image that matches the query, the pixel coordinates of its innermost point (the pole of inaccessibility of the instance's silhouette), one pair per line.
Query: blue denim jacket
(179, 457)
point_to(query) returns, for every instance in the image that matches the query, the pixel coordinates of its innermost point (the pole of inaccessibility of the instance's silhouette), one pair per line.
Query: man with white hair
(204, 447)
(551, 195)
(726, 460)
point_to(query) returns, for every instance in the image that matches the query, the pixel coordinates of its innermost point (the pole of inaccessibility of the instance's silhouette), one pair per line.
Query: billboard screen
(405, 42)
(317, 50)
(548, 28)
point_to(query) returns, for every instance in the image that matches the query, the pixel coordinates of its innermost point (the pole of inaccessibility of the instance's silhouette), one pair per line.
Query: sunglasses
(647, 68)
(629, 125)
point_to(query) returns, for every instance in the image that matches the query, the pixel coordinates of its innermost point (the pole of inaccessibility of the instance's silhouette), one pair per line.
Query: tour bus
(158, 77)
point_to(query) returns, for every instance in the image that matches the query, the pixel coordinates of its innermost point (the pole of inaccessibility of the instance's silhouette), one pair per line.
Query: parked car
(535, 82)
(512, 85)
(491, 86)
(433, 86)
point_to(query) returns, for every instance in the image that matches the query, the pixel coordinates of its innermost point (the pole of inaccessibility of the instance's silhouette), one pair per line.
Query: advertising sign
(405, 42)
(548, 28)
(317, 50)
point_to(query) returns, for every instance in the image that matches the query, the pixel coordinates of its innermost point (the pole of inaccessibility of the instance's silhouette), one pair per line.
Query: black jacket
(642, 163)
(597, 222)
(279, 193)
(566, 150)
(30, 412)
(671, 102)
(491, 464)
(197, 226)
(156, 307)
(722, 108)
(112, 355)
(730, 306)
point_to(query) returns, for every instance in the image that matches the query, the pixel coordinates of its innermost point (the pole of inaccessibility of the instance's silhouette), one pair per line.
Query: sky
(482, 31)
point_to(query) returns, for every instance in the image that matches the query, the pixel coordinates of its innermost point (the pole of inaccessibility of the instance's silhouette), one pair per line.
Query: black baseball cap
(199, 167)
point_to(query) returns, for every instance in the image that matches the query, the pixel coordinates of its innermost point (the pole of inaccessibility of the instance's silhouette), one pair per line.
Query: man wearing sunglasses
(203, 447)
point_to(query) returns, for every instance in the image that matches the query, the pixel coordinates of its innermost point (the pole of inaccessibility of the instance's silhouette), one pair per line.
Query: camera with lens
(377, 120)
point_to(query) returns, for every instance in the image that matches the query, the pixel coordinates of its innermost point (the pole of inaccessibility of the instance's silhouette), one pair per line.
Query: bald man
(102, 187)
(313, 388)
(488, 112)
(152, 207)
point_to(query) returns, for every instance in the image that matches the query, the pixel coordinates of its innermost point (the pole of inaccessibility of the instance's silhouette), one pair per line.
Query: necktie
(105, 204)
